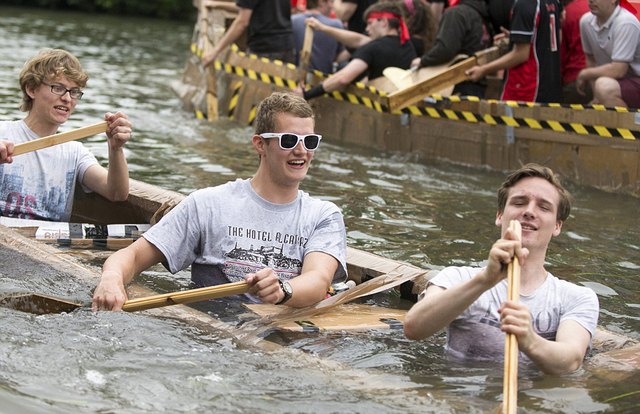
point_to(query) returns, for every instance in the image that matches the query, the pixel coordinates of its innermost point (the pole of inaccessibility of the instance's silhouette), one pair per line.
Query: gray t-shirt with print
(40, 185)
(476, 334)
(227, 231)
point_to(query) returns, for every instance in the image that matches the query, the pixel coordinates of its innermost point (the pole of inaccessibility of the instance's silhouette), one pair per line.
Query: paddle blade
(400, 78)
(38, 304)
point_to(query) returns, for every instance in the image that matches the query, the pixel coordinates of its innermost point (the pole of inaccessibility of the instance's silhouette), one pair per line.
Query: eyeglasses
(289, 141)
(61, 90)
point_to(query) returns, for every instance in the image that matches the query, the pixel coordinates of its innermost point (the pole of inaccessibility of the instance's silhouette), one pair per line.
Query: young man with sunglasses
(554, 321)
(287, 246)
(40, 185)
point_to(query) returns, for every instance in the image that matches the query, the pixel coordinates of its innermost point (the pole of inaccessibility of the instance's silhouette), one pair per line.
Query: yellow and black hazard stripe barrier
(517, 104)
(524, 122)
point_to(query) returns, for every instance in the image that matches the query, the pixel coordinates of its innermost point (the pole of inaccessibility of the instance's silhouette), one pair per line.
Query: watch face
(286, 287)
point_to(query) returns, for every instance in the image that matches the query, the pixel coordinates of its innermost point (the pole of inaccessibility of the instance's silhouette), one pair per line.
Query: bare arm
(114, 182)
(345, 76)
(345, 11)
(516, 56)
(309, 288)
(346, 37)
(441, 306)
(565, 354)
(616, 70)
(239, 25)
(120, 269)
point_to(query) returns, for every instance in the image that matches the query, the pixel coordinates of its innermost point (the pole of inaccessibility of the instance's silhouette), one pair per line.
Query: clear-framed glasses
(289, 140)
(61, 90)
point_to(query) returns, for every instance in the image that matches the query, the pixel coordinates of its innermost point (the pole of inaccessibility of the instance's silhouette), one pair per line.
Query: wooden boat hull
(590, 145)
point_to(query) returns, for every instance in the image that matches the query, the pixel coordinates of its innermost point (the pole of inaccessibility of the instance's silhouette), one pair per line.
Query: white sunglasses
(289, 140)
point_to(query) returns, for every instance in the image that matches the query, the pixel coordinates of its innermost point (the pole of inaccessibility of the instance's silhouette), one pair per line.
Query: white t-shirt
(227, 231)
(476, 333)
(616, 40)
(40, 184)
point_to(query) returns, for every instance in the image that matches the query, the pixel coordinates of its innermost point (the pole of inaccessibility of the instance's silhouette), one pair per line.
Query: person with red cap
(389, 47)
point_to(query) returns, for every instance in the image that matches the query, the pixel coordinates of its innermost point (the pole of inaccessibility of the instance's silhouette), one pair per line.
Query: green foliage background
(165, 9)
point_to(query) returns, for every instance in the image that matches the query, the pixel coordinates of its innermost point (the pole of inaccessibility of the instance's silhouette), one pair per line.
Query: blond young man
(286, 245)
(41, 184)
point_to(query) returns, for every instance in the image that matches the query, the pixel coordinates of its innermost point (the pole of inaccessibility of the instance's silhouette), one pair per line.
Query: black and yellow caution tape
(524, 122)
(233, 103)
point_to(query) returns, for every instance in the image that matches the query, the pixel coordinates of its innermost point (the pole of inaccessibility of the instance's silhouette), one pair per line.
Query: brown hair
(277, 103)
(49, 64)
(388, 6)
(421, 23)
(535, 170)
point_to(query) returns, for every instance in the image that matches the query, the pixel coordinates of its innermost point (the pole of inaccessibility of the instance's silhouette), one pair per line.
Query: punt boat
(616, 356)
(592, 145)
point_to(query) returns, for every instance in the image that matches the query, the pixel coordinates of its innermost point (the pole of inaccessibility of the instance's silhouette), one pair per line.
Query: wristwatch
(287, 290)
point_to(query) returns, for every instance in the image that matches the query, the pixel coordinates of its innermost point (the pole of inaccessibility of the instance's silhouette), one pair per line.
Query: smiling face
(533, 201)
(285, 168)
(48, 108)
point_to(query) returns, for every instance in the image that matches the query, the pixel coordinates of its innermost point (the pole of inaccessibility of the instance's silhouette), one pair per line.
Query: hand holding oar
(510, 384)
(56, 139)
(41, 304)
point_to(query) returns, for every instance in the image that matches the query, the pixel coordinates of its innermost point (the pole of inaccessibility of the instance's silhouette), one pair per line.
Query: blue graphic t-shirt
(228, 231)
(40, 184)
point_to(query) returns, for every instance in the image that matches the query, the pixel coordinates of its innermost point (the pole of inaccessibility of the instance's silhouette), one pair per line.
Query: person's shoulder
(331, 21)
(570, 288)
(626, 18)
(317, 204)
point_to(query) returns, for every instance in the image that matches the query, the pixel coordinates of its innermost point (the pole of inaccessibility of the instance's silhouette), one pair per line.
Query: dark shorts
(630, 89)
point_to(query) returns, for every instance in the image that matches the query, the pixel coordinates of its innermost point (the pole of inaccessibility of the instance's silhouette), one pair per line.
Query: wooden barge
(590, 145)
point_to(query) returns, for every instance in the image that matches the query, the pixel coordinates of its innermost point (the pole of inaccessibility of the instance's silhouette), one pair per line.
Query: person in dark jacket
(462, 30)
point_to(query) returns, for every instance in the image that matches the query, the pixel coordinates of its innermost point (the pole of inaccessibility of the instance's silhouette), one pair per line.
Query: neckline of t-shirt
(268, 204)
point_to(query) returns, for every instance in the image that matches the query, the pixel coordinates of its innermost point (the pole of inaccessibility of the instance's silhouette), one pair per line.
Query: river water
(431, 214)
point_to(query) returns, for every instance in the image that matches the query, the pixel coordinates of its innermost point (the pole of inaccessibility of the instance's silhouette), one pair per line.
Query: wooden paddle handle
(510, 384)
(186, 296)
(56, 139)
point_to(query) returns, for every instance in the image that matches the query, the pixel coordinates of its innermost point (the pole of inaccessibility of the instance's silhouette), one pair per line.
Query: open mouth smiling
(61, 108)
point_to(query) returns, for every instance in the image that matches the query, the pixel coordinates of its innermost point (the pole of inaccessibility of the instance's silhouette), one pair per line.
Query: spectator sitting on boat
(325, 49)
(40, 184)
(533, 64)
(611, 41)
(270, 33)
(231, 232)
(572, 55)
(463, 30)
(554, 321)
(388, 45)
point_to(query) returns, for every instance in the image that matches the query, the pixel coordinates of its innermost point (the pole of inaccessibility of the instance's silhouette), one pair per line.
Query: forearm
(518, 55)
(308, 289)
(347, 37)
(232, 34)
(553, 357)
(616, 70)
(117, 176)
(437, 310)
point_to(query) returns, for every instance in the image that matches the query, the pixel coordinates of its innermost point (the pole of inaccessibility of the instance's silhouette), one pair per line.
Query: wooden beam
(307, 45)
(210, 72)
(451, 76)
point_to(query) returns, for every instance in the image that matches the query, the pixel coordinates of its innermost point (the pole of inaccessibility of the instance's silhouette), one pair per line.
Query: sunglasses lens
(288, 141)
(311, 142)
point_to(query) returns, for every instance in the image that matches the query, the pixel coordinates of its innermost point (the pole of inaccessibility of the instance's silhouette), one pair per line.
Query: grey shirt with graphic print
(476, 334)
(228, 231)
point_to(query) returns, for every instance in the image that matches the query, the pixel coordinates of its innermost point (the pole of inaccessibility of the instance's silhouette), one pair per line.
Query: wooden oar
(42, 304)
(56, 139)
(510, 384)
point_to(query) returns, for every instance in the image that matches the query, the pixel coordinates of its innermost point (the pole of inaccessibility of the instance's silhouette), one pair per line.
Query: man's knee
(607, 88)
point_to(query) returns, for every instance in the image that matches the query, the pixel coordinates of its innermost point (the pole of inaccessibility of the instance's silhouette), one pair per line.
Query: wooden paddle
(56, 139)
(510, 384)
(42, 304)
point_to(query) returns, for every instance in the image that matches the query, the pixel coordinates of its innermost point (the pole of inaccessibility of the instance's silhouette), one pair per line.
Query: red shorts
(630, 89)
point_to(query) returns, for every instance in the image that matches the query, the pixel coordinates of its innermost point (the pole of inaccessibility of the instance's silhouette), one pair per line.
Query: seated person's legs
(608, 93)
(630, 91)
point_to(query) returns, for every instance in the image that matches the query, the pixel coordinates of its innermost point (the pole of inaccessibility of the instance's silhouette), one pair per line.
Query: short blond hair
(49, 64)
(280, 103)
